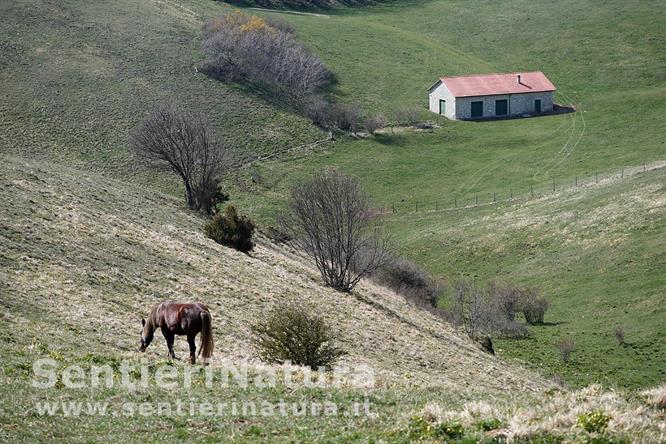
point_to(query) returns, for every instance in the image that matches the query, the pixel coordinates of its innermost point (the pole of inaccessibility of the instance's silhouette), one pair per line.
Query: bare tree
(566, 346)
(479, 311)
(470, 309)
(329, 218)
(185, 143)
(372, 124)
(347, 117)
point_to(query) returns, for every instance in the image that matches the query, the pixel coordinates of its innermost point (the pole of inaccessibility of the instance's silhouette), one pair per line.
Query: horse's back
(182, 318)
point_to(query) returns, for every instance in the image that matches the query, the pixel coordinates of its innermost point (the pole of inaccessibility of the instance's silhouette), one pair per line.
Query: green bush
(232, 230)
(446, 430)
(419, 428)
(595, 421)
(489, 424)
(295, 333)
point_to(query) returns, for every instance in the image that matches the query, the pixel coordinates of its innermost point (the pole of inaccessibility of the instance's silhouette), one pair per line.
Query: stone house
(492, 95)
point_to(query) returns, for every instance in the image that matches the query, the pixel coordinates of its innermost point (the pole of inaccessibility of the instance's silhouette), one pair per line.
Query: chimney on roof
(519, 81)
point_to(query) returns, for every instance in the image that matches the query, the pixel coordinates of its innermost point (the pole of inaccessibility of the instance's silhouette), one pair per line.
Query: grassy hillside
(86, 247)
(595, 251)
(82, 259)
(606, 60)
(75, 84)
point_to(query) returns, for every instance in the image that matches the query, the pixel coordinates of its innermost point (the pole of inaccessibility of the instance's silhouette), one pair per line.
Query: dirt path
(279, 11)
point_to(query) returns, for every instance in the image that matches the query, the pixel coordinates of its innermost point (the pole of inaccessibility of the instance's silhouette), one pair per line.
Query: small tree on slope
(329, 219)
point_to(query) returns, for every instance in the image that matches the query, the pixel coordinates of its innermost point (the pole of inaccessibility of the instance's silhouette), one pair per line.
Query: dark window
(477, 109)
(501, 107)
(537, 106)
(442, 106)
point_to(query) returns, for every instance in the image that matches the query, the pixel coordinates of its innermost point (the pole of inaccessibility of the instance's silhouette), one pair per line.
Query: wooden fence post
(455, 202)
(393, 204)
(477, 199)
(494, 200)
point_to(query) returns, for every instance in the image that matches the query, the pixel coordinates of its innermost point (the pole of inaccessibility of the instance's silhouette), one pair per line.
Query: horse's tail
(207, 345)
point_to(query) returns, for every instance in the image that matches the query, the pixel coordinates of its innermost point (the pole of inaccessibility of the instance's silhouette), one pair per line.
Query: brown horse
(180, 319)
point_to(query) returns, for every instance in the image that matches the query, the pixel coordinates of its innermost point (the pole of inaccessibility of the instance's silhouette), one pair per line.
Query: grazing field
(606, 61)
(90, 239)
(76, 84)
(83, 259)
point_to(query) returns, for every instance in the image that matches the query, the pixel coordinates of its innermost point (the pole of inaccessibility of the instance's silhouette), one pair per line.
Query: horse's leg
(193, 347)
(170, 337)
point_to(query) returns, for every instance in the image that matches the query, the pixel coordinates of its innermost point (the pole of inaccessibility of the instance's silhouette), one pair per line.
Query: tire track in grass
(573, 148)
(568, 147)
(484, 171)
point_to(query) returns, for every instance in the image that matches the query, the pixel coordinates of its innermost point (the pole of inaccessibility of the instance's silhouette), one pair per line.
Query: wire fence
(471, 200)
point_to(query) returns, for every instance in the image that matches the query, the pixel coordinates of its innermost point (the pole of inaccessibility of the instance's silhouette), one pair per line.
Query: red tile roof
(494, 84)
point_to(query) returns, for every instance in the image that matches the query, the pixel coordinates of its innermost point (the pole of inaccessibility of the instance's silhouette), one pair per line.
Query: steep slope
(83, 257)
(96, 254)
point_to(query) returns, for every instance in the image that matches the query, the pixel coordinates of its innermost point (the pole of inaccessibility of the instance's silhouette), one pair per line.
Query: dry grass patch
(580, 415)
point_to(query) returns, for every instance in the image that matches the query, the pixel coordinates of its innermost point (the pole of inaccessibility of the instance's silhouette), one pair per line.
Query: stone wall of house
(517, 103)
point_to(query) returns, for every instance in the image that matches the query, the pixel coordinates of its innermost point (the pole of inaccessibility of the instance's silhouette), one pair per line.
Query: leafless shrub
(480, 311)
(533, 306)
(276, 235)
(329, 219)
(510, 300)
(408, 279)
(240, 47)
(506, 298)
(468, 308)
(407, 116)
(292, 332)
(347, 117)
(619, 334)
(566, 346)
(185, 143)
(374, 123)
(280, 24)
(318, 109)
(425, 125)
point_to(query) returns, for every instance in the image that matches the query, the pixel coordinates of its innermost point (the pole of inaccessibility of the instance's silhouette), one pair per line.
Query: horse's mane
(151, 322)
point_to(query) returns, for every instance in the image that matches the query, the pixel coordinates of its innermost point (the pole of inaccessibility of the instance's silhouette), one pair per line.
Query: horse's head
(146, 336)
